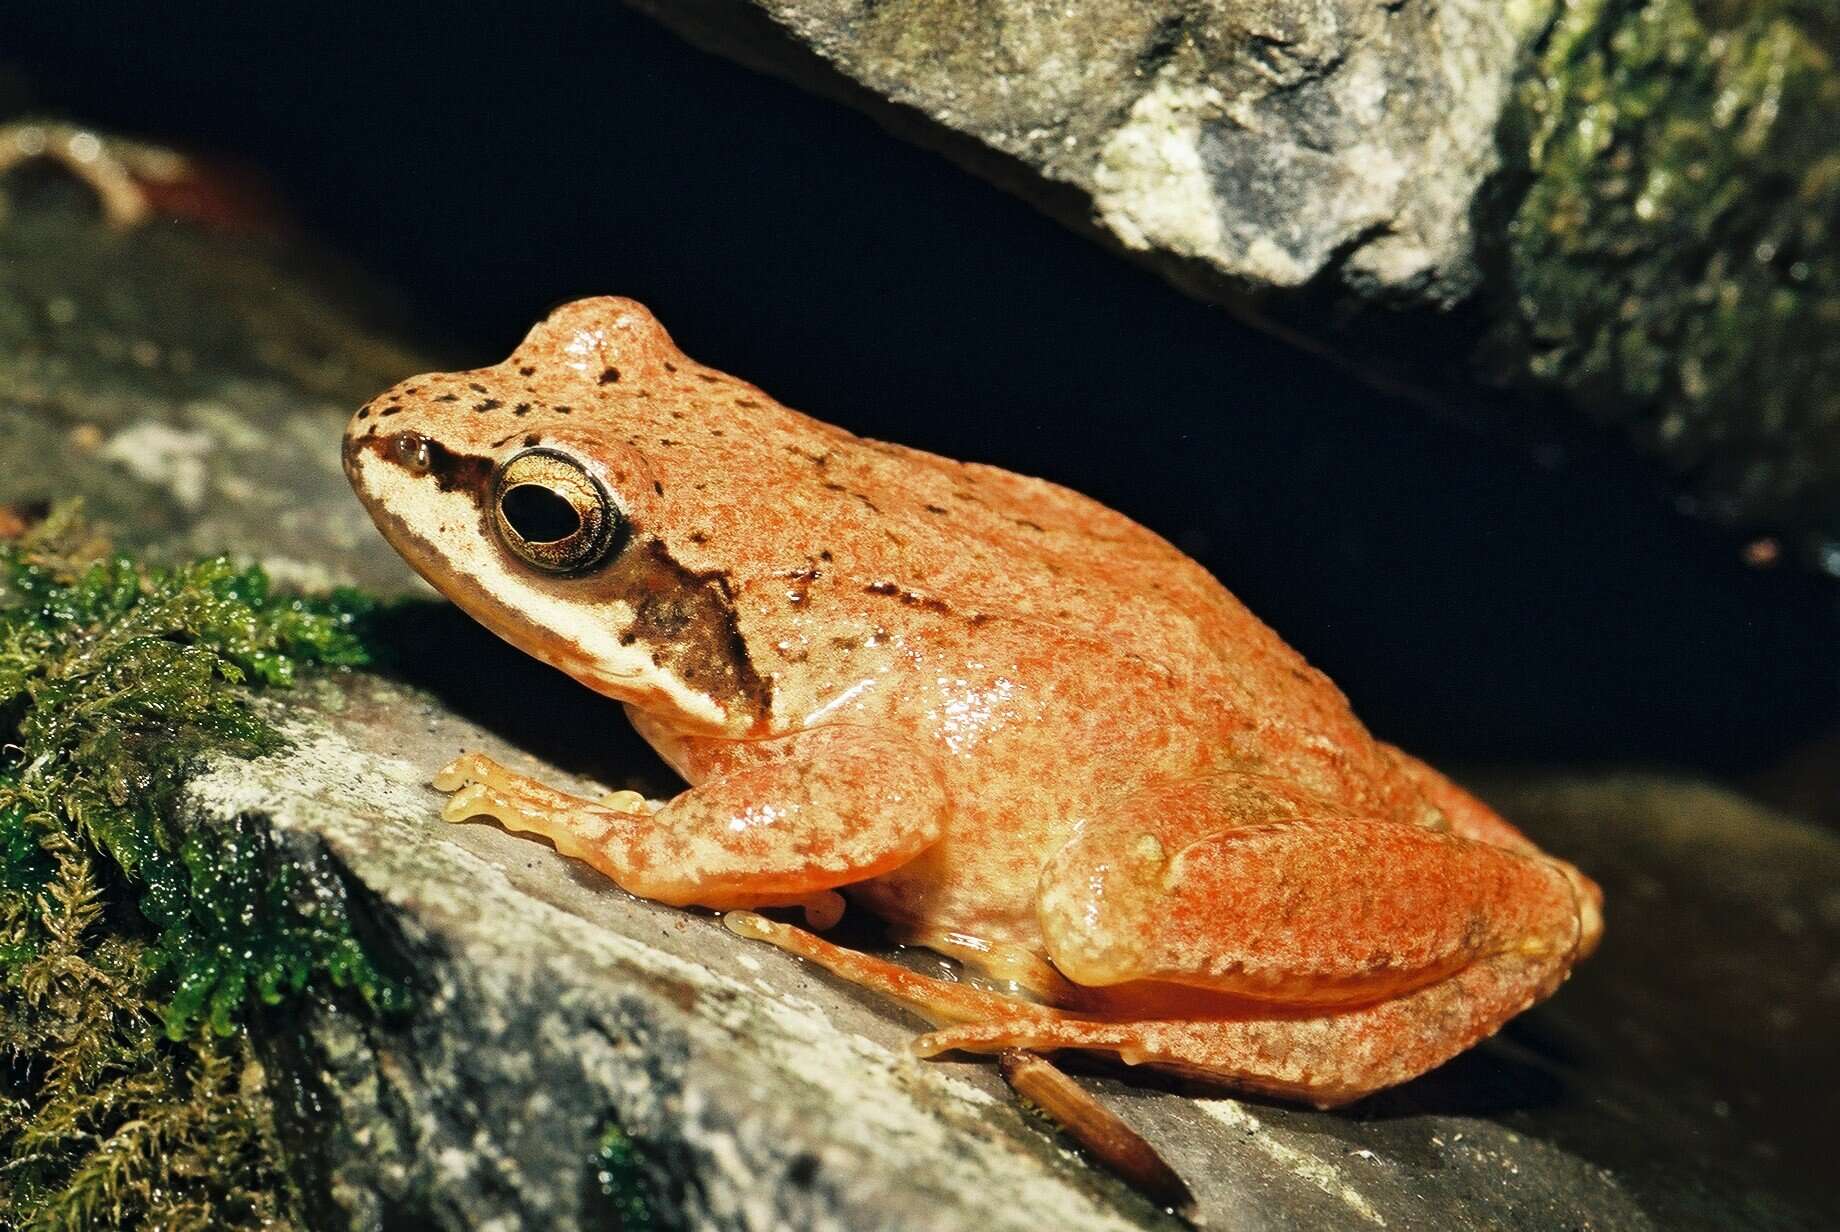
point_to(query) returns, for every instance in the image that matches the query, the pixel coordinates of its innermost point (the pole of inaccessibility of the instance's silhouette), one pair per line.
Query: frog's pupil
(538, 514)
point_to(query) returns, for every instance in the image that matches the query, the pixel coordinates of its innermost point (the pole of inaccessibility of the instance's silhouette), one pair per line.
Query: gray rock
(576, 1054)
(1244, 145)
(184, 385)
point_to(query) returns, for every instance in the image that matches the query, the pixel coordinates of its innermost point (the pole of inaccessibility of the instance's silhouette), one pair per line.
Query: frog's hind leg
(1323, 1058)
(936, 1000)
(1343, 953)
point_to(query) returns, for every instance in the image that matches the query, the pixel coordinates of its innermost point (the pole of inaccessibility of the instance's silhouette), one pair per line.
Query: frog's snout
(348, 455)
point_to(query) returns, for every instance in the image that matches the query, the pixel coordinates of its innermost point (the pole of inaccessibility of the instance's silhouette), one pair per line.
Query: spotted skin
(1010, 721)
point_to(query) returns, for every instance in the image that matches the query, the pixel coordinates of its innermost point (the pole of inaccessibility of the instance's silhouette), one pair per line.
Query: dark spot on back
(609, 375)
(908, 598)
(476, 387)
(935, 509)
(657, 487)
(527, 371)
(488, 404)
(562, 410)
(364, 412)
(522, 408)
(710, 377)
(669, 366)
(531, 439)
(747, 402)
(388, 410)
(448, 398)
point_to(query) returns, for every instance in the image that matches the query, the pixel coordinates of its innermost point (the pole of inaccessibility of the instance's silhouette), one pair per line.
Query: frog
(1019, 728)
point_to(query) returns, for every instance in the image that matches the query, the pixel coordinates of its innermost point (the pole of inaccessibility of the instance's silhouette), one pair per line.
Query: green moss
(1675, 258)
(130, 948)
(619, 1170)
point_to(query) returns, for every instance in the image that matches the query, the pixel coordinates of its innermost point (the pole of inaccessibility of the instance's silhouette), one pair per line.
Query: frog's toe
(469, 801)
(476, 768)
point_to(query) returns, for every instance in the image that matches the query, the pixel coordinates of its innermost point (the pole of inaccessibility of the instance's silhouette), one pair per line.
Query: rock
(1258, 145)
(1622, 206)
(581, 1059)
(184, 384)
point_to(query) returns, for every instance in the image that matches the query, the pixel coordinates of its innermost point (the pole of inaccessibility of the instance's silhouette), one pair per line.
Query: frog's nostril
(412, 451)
(538, 514)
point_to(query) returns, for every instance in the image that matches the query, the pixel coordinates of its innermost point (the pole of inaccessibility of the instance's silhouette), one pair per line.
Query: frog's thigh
(1232, 884)
(799, 815)
(1327, 1058)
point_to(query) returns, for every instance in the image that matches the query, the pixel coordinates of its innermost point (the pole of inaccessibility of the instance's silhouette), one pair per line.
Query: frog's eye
(552, 513)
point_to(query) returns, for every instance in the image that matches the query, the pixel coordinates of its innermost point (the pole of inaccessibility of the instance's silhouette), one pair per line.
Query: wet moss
(132, 948)
(619, 1172)
(1674, 258)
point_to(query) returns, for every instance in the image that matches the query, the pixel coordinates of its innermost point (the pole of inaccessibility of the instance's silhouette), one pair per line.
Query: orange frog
(1016, 725)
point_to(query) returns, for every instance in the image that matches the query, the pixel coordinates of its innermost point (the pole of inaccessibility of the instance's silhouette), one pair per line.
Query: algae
(1674, 259)
(131, 950)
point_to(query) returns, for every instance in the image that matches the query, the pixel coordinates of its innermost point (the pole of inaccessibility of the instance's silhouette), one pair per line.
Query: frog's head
(517, 490)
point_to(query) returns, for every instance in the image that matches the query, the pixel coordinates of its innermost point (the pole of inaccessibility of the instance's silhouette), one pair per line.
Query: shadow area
(436, 648)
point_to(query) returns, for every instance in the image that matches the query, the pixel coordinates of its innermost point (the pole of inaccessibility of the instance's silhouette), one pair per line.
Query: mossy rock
(1673, 260)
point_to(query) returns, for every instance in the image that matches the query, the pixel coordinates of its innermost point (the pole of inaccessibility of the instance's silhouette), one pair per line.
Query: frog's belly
(980, 880)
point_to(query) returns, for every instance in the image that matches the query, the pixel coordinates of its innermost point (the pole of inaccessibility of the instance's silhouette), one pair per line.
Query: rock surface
(577, 1054)
(1630, 203)
(1262, 144)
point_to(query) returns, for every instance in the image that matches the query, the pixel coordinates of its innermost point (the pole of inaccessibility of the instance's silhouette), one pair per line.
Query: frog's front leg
(785, 821)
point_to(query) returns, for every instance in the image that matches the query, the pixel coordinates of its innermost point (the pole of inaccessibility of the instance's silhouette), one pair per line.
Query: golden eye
(552, 513)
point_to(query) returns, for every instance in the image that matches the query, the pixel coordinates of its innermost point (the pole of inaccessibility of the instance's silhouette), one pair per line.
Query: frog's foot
(1094, 1126)
(110, 174)
(799, 817)
(577, 827)
(481, 787)
(1016, 965)
(937, 1001)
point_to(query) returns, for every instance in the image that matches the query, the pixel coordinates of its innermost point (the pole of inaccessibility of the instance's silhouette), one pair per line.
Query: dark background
(1482, 592)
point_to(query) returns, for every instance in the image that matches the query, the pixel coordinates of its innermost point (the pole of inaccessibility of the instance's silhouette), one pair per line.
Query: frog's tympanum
(1011, 722)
